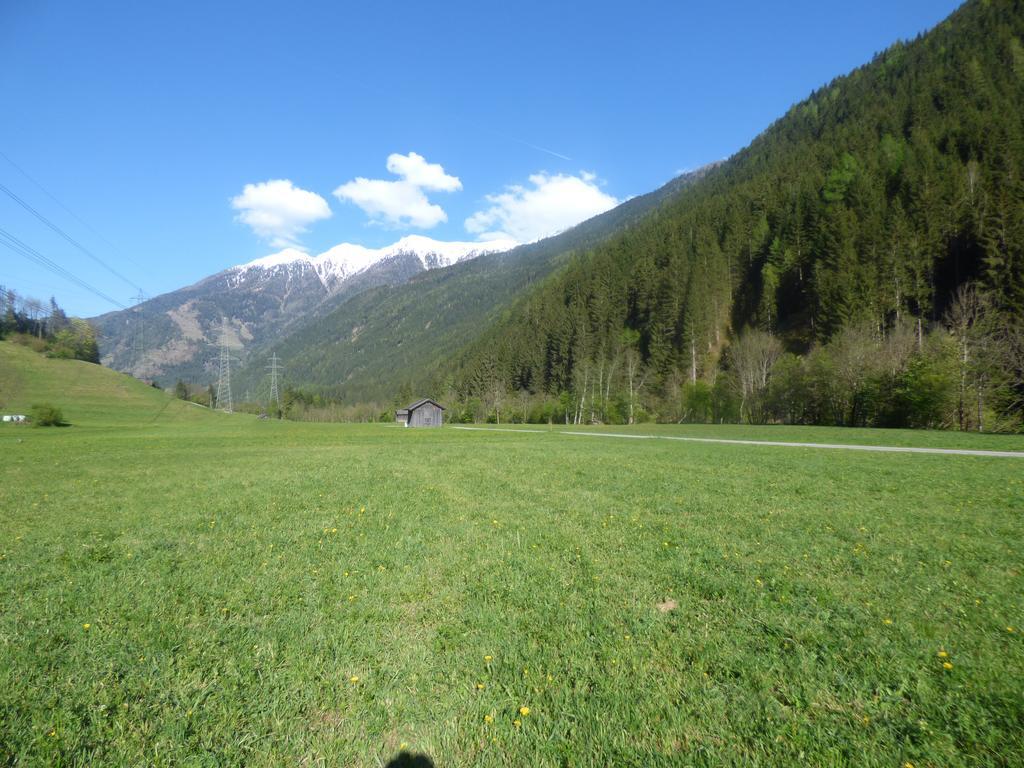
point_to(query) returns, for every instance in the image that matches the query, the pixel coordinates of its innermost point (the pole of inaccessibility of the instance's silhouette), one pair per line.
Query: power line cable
(70, 213)
(33, 255)
(30, 253)
(66, 236)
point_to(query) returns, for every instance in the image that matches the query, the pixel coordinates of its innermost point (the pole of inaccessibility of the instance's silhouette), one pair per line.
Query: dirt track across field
(776, 443)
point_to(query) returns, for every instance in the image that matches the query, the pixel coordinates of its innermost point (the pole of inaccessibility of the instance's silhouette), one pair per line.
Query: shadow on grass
(409, 760)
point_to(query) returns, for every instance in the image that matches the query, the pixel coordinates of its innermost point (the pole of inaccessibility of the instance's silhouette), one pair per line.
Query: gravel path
(779, 443)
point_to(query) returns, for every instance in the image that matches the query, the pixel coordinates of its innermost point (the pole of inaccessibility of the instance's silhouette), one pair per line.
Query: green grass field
(181, 587)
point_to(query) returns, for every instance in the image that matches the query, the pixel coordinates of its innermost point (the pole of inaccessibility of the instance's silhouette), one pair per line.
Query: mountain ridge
(169, 336)
(342, 261)
(398, 336)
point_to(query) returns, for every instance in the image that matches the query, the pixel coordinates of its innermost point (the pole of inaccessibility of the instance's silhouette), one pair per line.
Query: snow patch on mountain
(341, 262)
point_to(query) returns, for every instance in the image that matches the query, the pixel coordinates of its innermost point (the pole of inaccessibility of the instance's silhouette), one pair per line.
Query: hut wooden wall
(427, 415)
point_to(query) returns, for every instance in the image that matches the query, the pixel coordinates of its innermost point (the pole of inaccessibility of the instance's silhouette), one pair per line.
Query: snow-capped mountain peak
(341, 262)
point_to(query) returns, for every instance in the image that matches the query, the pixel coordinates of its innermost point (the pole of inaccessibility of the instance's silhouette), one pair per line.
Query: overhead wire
(30, 253)
(68, 211)
(66, 236)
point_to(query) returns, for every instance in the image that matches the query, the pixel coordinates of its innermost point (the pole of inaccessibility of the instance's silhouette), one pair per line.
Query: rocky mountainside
(173, 335)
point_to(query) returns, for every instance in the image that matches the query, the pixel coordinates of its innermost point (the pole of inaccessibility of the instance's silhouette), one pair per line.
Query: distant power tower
(275, 369)
(224, 375)
(138, 337)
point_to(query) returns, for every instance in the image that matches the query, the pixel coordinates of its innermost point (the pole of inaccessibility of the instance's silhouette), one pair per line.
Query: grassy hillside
(88, 394)
(275, 593)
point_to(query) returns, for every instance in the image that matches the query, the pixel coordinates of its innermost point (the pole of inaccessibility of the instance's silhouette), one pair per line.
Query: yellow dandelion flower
(947, 665)
(479, 686)
(887, 621)
(354, 679)
(517, 723)
(403, 745)
(488, 718)
(86, 627)
(524, 711)
(943, 654)
(488, 658)
(1010, 629)
(908, 764)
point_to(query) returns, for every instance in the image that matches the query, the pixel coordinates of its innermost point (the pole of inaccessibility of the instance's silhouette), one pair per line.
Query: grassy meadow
(179, 587)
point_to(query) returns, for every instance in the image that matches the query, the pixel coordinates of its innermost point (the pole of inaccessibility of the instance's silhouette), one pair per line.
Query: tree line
(46, 327)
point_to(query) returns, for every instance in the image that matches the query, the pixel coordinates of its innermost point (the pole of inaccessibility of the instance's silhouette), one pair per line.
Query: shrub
(30, 341)
(46, 415)
(76, 341)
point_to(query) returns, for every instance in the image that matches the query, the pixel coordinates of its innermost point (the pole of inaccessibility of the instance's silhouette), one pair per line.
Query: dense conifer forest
(860, 263)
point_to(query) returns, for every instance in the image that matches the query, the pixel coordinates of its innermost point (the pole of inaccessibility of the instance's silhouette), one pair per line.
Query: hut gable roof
(423, 402)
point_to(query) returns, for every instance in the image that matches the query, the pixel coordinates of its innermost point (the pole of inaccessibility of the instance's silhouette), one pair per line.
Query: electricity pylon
(275, 369)
(138, 347)
(224, 376)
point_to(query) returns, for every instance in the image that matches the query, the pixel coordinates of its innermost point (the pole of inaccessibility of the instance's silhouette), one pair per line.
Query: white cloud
(279, 211)
(397, 203)
(551, 205)
(417, 171)
(402, 202)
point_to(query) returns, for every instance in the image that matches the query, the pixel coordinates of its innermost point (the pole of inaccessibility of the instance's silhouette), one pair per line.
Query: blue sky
(147, 120)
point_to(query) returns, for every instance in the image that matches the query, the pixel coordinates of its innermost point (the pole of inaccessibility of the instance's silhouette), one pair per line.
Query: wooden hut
(401, 416)
(422, 413)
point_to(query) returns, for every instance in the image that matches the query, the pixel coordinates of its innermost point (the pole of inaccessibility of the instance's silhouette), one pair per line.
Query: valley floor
(223, 590)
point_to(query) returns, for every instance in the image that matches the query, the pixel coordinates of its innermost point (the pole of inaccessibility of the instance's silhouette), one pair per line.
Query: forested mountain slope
(866, 206)
(394, 338)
